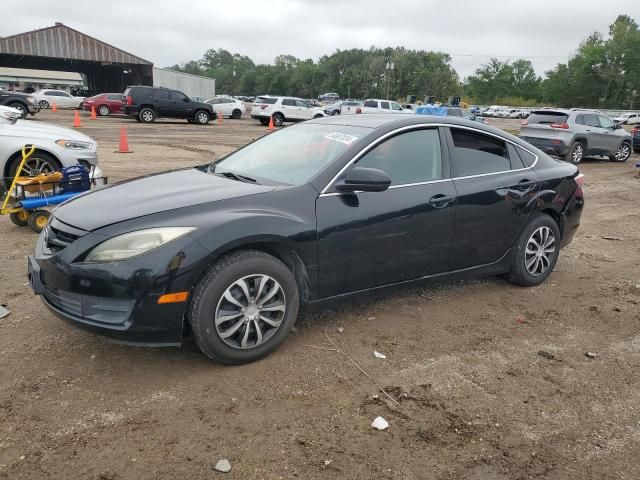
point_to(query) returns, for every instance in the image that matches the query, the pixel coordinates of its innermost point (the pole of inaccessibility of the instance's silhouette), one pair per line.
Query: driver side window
(606, 122)
(410, 157)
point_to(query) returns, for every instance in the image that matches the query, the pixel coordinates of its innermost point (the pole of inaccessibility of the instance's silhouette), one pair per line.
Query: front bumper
(545, 144)
(118, 299)
(33, 109)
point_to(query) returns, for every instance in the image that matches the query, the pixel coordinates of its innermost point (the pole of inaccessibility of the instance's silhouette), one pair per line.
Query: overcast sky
(169, 32)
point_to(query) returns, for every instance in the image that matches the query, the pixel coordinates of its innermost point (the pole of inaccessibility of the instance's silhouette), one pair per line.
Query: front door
(368, 239)
(304, 112)
(181, 106)
(610, 136)
(495, 193)
(289, 109)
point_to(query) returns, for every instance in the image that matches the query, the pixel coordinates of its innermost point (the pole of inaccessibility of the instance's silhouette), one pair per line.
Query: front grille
(59, 235)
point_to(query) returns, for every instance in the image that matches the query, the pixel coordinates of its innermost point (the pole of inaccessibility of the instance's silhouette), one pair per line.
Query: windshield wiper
(237, 176)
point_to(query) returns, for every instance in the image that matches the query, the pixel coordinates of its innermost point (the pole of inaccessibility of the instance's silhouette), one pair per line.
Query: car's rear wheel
(43, 104)
(236, 114)
(575, 154)
(202, 117)
(19, 106)
(278, 119)
(103, 110)
(147, 115)
(244, 307)
(622, 154)
(536, 252)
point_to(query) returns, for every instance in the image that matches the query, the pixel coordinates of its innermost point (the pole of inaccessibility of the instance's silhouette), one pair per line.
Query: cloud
(169, 32)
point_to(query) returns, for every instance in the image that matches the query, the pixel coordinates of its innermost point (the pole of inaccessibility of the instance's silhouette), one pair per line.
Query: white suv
(372, 105)
(229, 107)
(283, 109)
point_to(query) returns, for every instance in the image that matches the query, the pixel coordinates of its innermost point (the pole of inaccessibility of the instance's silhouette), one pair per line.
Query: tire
(147, 115)
(278, 119)
(523, 271)
(236, 114)
(622, 154)
(318, 116)
(19, 106)
(38, 220)
(43, 104)
(39, 162)
(103, 110)
(20, 218)
(575, 153)
(202, 117)
(209, 301)
(264, 121)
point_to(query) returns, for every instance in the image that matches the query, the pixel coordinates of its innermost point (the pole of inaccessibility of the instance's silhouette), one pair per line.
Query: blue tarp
(432, 110)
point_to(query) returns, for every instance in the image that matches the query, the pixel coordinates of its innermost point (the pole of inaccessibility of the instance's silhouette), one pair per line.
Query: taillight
(580, 179)
(634, 131)
(358, 110)
(525, 123)
(564, 125)
(129, 100)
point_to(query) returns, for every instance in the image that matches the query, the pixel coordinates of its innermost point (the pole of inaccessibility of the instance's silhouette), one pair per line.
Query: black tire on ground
(575, 153)
(147, 115)
(522, 256)
(202, 117)
(19, 106)
(264, 121)
(622, 154)
(278, 119)
(208, 295)
(104, 110)
(318, 116)
(39, 162)
(20, 218)
(43, 104)
(38, 220)
(236, 114)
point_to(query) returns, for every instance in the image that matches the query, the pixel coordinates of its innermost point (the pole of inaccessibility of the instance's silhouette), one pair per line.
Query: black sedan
(331, 207)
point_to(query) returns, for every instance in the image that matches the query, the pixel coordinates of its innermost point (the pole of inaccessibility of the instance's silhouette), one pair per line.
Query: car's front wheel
(103, 110)
(536, 252)
(244, 307)
(202, 117)
(622, 154)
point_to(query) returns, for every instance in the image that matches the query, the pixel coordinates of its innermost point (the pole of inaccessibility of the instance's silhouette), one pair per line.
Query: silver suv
(574, 134)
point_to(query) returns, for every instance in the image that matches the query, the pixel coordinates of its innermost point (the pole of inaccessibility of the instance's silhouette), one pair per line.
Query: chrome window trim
(392, 187)
(379, 140)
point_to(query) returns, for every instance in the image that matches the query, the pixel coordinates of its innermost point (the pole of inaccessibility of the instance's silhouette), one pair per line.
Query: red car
(105, 103)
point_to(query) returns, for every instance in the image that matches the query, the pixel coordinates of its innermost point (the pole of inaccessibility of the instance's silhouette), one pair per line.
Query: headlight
(74, 145)
(31, 100)
(135, 243)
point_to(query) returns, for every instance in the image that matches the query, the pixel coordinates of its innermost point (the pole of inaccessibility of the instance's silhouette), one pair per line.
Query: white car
(629, 118)
(56, 147)
(372, 105)
(228, 107)
(45, 99)
(283, 109)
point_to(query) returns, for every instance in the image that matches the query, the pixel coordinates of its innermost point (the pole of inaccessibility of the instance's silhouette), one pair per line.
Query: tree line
(604, 72)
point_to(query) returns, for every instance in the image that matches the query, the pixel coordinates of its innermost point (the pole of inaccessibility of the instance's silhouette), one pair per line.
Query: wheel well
(582, 140)
(13, 102)
(556, 218)
(155, 110)
(18, 154)
(104, 105)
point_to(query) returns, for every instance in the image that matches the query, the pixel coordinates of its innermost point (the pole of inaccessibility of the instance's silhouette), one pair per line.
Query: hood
(36, 130)
(148, 195)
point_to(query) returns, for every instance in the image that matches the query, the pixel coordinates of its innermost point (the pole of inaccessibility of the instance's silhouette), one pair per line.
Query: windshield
(291, 156)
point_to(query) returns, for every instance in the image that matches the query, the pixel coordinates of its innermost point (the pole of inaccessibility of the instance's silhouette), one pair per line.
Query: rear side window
(114, 97)
(288, 102)
(161, 95)
(547, 117)
(267, 100)
(527, 158)
(371, 103)
(475, 154)
(410, 157)
(384, 105)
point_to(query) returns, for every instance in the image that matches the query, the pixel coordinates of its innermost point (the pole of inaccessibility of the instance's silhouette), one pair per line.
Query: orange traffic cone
(271, 127)
(93, 113)
(54, 107)
(220, 118)
(123, 147)
(76, 120)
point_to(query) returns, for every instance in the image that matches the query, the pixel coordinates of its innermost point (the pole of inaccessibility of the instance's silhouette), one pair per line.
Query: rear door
(494, 191)
(115, 102)
(162, 99)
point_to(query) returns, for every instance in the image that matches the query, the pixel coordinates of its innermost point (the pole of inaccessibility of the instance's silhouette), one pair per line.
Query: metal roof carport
(106, 68)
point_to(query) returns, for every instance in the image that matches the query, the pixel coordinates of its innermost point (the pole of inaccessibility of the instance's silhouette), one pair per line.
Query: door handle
(440, 200)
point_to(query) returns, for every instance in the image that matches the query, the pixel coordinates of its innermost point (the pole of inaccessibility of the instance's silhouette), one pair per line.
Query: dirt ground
(492, 380)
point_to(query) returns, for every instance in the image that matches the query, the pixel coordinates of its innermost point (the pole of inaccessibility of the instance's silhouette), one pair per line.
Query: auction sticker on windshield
(341, 137)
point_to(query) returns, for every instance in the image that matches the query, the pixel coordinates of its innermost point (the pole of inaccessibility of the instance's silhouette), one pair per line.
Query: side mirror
(364, 180)
(617, 126)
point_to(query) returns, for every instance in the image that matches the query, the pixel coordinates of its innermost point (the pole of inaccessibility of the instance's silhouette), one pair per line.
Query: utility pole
(388, 70)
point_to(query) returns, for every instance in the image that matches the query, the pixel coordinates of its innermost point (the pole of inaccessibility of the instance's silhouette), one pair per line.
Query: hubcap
(250, 311)
(43, 104)
(623, 152)
(104, 110)
(36, 166)
(147, 116)
(202, 118)
(576, 156)
(540, 251)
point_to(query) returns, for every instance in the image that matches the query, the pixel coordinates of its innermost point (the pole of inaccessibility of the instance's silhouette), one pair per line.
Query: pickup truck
(380, 106)
(20, 101)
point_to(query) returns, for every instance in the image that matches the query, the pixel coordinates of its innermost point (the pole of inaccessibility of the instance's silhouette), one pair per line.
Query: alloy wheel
(540, 251)
(36, 166)
(577, 153)
(103, 110)
(250, 311)
(622, 153)
(43, 104)
(202, 118)
(147, 116)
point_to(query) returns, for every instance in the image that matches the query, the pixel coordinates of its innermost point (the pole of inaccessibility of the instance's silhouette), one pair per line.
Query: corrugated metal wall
(192, 85)
(61, 41)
